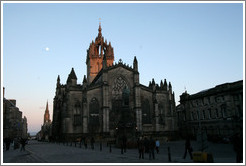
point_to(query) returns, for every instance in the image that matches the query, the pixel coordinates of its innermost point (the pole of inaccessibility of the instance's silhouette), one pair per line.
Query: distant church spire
(47, 114)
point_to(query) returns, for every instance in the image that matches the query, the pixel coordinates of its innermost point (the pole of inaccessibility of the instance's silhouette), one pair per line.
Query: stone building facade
(14, 126)
(95, 106)
(219, 111)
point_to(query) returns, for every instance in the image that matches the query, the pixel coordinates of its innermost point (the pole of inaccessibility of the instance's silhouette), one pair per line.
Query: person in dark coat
(23, 144)
(188, 148)
(141, 148)
(7, 142)
(92, 142)
(146, 145)
(151, 148)
(124, 141)
(85, 142)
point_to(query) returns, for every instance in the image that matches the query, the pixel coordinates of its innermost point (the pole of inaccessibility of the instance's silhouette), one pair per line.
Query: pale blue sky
(196, 46)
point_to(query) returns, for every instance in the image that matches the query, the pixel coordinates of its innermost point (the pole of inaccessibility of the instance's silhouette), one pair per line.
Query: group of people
(149, 146)
(85, 141)
(16, 142)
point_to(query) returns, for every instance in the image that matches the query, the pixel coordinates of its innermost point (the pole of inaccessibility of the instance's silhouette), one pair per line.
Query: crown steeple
(95, 55)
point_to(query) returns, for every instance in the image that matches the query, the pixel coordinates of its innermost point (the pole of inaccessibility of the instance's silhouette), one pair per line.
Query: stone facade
(220, 110)
(95, 106)
(13, 124)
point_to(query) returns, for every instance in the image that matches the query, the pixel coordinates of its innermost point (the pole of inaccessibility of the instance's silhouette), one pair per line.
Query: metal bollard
(169, 154)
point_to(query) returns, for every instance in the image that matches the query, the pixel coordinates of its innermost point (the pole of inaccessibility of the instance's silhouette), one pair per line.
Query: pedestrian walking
(23, 144)
(146, 145)
(7, 142)
(151, 148)
(141, 148)
(85, 143)
(92, 142)
(188, 148)
(157, 145)
(124, 140)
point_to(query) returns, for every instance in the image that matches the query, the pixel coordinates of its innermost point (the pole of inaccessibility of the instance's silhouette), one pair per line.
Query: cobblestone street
(43, 152)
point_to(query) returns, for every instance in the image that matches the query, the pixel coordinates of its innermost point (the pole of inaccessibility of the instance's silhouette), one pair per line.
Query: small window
(209, 113)
(203, 113)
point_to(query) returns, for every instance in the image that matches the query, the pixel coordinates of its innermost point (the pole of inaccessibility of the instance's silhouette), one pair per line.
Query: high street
(44, 152)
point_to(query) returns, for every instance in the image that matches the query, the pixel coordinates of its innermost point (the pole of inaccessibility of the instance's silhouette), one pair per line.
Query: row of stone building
(14, 126)
(96, 106)
(218, 111)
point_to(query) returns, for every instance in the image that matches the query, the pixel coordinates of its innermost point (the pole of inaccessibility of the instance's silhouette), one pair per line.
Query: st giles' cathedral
(98, 107)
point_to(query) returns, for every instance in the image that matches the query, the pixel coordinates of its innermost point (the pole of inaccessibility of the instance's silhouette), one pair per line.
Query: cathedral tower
(97, 50)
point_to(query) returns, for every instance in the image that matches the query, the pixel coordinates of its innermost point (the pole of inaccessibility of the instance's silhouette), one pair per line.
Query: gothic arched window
(114, 114)
(77, 114)
(94, 115)
(118, 86)
(161, 113)
(146, 116)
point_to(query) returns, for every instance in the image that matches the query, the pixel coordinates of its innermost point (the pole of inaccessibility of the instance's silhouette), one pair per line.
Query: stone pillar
(85, 116)
(105, 119)
(105, 106)
(157, 127)
(137, 108)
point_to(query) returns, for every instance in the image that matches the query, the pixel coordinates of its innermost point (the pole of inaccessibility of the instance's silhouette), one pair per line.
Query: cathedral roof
(114, 66)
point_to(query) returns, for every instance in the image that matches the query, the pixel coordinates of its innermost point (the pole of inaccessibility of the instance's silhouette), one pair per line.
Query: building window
(77, 120)
(223, 111)
(198, 115)
(146, 115)
(118, 86)
(77, 114)
(209, 113)
(217, 113)
(162, 113)
(208, 100)
(94, 115)
(203, 114)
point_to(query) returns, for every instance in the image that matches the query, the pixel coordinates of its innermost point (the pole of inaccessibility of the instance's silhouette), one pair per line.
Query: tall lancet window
(94, 123)
(146, 115)
(77, 114)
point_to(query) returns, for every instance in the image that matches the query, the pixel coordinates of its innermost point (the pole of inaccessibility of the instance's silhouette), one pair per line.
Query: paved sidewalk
(43, 152)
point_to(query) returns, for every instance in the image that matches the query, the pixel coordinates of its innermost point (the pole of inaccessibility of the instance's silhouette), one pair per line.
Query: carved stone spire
(58, 81)
(100, 30)
(135, 64)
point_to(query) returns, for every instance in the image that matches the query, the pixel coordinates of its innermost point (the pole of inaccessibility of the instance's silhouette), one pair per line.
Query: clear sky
(193, 45)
